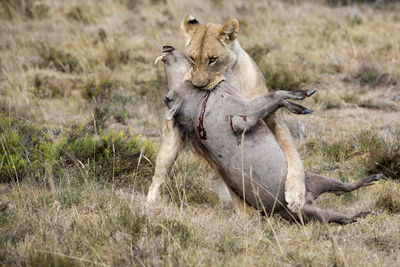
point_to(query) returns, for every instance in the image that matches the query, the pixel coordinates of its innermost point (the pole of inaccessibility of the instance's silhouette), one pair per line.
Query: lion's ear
(229, 31)
(190, 25)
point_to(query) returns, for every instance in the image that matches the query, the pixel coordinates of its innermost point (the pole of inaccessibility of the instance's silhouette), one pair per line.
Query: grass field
(80, 126)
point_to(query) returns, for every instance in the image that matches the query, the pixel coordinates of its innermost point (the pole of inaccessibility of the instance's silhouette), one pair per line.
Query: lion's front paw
(154, 193)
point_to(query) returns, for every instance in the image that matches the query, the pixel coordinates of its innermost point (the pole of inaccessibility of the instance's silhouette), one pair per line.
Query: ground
(81, 112)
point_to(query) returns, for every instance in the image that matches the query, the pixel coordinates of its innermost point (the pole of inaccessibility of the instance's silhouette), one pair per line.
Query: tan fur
(232, 63)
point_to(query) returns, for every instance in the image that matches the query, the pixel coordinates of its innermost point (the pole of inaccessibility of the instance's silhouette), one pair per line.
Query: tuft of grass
(116, 56)
(113, 157)
(376, 154)
(80, 14)
(277, 76)
(369, 73)
(119, 108)
(153, 89)
(133, 220)
(376, 104)
(29, 9)
(187, 189)
(62, 61)
(98, 91)
(282, 78)
(383, 155)
(349, 98)
(130, 4)
(328, 102)
(338, 150)
(367, 149)
(50, 259)
(368, 103)
(389, 200)
(45, 87)
(258, 52)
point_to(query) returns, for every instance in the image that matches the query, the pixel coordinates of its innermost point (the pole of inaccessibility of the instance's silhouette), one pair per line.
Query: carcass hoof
(367, 181)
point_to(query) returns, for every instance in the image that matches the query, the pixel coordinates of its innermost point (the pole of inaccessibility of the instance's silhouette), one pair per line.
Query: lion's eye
(212, 60)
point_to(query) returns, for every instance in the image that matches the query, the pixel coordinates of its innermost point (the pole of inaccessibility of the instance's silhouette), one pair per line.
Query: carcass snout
(169, 98)
(167, 50)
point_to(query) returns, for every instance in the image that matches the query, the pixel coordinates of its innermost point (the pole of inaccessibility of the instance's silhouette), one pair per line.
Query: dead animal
(231, 135)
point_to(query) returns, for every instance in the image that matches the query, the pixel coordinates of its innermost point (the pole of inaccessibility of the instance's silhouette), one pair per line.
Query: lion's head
(209, 50)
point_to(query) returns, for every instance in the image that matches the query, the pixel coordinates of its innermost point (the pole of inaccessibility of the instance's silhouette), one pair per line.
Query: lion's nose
(199, 81)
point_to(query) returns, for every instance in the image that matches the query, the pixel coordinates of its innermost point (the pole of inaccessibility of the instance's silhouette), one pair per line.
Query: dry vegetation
(80, 118)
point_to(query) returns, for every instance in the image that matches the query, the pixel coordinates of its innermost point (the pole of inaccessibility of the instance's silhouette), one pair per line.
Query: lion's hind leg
(294, 185)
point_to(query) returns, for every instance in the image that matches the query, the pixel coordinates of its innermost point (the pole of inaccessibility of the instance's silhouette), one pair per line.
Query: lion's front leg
(295, 181)
(171, 145)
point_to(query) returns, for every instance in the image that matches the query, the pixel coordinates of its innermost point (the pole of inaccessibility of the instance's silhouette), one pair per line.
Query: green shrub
(19, 141)
(26, 150)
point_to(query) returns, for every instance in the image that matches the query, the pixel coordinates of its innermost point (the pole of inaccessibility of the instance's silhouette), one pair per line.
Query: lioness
(216, 55)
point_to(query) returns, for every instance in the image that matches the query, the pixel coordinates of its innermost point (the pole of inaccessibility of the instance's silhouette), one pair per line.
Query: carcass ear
(229, 31)
(172, 111)
(190, 25)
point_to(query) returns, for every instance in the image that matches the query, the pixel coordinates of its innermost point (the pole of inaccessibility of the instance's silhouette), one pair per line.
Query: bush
(20, 147)
(27, 150)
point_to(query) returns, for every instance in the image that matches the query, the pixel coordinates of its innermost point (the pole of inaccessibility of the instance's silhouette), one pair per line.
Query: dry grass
(80, 122)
